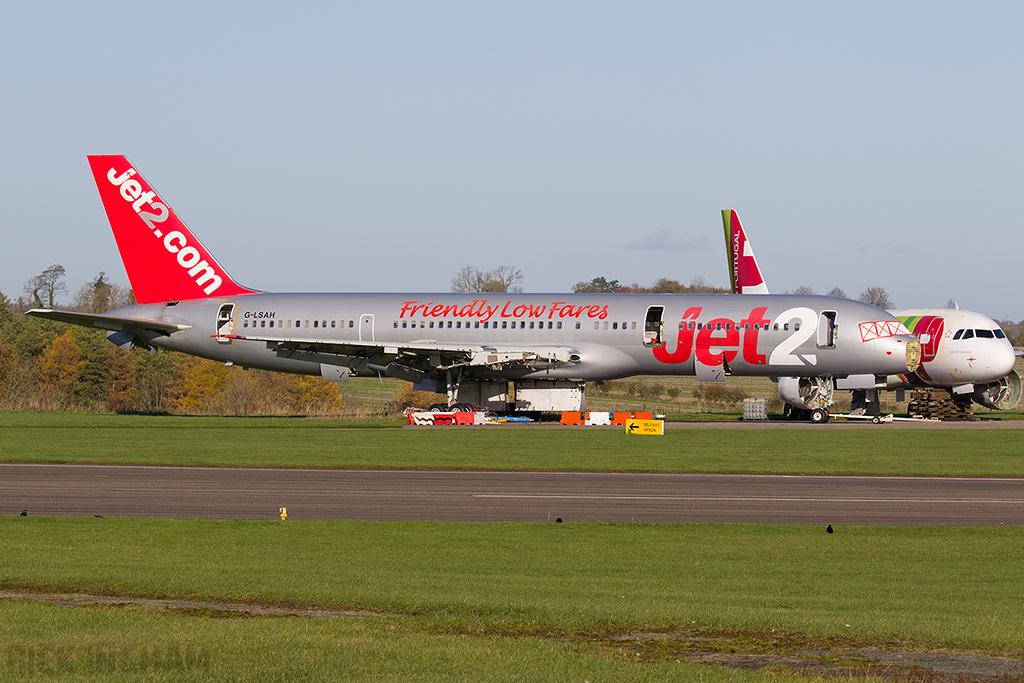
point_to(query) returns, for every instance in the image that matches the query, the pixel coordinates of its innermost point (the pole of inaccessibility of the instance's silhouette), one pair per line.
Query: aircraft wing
(418, 356)
(107, 322)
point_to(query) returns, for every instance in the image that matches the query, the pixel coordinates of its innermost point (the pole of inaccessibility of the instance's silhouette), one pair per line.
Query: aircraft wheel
(819, 416)
(463, 408)
(876, 420)
(438, 408)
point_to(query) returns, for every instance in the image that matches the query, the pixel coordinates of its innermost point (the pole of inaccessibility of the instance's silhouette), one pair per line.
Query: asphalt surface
(221, 493)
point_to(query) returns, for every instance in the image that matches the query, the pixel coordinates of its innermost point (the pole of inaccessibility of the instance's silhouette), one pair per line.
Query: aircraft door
(827, 330)
(366, 327)
(654, 327)
(225, 323)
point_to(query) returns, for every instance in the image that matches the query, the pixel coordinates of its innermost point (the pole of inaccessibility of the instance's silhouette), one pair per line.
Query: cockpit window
(999, 334)
(985, 334)
(968, 334)
(959, 333)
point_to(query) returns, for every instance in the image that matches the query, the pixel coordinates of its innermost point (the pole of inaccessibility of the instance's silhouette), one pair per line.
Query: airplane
(964, 352)
(498, 351)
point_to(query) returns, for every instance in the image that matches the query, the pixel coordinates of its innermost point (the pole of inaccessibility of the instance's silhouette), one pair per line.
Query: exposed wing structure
(414, 359)
(109, 323)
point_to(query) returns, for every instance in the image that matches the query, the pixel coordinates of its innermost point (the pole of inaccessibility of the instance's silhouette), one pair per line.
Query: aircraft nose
(1000, 359)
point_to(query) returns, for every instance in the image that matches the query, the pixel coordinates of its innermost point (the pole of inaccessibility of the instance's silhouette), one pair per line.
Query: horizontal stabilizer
(107, 322)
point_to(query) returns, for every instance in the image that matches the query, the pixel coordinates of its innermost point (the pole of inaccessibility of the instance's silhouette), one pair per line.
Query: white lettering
(188, 257)
(121, 178)
(172, 237)
(175, 242)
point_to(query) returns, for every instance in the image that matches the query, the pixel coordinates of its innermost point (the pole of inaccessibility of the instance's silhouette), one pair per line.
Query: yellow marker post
(646, 427)
(284, 514)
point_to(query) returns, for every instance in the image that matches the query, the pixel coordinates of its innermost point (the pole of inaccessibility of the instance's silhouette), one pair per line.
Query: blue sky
(383, 146)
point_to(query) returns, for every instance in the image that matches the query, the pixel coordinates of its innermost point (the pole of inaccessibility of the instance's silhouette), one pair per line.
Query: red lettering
(725, 342)
(682, 352)
(408, 307)
(435, 311)
(751, 327)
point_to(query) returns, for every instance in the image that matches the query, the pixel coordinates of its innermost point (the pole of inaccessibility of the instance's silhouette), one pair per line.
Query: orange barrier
(571, 419)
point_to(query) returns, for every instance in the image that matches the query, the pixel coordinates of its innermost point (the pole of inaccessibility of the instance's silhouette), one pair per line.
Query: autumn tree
(500, 279)
(877, 296)
(59, 366)
(101, 295)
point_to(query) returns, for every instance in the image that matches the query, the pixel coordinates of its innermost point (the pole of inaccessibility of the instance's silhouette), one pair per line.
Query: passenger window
(245, 324)
(476, 325)
(271, 323)
(458, 324)
(615, 326)
(334, 323)
(315, 322)
(350, 323)
(559, 324)
(775, 327)
(449, 324)
(785, 326)
(263, 323)
(531, 324)
(504, 324)
(306, 324)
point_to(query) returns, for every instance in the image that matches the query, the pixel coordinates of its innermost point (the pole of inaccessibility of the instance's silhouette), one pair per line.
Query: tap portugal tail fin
(744, 274)
(164, 260)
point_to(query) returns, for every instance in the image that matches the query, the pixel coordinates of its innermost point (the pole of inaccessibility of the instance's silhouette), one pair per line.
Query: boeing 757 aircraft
(498, 351)
(963, 352)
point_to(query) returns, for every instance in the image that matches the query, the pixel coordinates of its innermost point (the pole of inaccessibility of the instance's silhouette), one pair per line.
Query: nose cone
(999, 360)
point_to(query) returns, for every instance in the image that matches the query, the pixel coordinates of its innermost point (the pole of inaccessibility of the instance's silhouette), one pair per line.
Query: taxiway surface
(223, 493)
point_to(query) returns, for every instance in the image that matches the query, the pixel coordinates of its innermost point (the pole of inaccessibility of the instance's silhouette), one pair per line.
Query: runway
(222, 493)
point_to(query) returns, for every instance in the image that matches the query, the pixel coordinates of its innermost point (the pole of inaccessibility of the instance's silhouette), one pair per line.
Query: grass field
(504, 602)
(469, 601)
(315, 443)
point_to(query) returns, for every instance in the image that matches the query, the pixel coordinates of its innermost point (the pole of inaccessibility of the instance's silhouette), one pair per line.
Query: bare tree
(803, 290)
(876, 296)
(837, 291)
(45, 286)
(500, 279)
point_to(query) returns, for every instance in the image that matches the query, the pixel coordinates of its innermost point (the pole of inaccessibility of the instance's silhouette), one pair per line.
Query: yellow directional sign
(647, 427)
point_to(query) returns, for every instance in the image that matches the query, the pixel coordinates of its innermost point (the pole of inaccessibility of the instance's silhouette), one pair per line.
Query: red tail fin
(164, 260)
(744, 275)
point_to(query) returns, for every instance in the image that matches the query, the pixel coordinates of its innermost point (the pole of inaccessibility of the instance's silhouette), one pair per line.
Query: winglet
(164, 260)
(744, 274)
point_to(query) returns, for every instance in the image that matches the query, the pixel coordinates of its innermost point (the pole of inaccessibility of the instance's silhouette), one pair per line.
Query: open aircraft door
(225, 323)
(366, 327)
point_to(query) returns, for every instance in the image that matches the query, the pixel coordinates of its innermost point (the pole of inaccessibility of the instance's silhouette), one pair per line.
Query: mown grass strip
(957, 587)
(262, 442)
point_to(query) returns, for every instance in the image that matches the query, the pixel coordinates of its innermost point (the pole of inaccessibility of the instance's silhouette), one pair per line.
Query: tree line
(47, 365)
